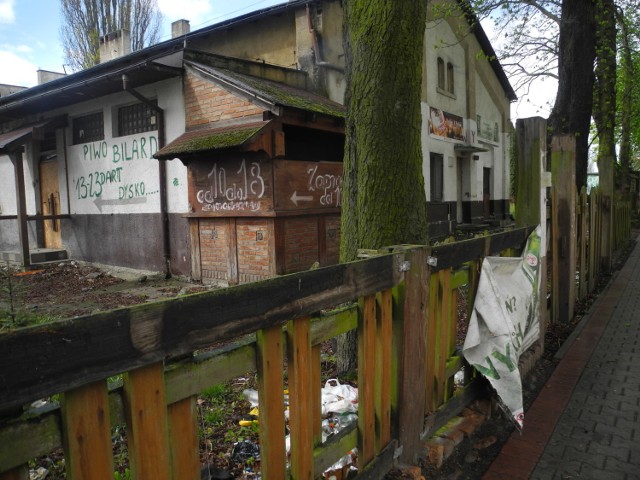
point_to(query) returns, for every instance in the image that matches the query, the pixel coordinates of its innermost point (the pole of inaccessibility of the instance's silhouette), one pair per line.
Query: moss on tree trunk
(383, 198)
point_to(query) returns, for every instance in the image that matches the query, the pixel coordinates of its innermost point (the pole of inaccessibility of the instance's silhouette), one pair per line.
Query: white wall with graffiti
(119, 174)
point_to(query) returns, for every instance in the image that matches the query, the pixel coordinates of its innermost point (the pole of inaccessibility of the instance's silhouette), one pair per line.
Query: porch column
(16, 159)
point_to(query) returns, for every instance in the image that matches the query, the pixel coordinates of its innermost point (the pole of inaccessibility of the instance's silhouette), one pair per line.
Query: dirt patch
(71, 289)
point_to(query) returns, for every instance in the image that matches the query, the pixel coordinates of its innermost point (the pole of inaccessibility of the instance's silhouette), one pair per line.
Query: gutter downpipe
(162, 171)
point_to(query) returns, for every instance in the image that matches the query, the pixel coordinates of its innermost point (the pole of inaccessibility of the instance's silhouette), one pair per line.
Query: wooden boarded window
(437, 180)
(136, 118)
(441, 73)
(88, 128)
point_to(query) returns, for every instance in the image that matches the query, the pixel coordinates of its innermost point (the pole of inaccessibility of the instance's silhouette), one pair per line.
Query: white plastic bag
(338, 398)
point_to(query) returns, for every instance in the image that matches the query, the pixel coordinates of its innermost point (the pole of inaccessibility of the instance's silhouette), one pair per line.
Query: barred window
(136, 118)
(88, 128)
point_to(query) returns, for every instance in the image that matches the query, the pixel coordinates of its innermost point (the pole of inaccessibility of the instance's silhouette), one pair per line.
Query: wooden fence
(589, 235)
(402, 303)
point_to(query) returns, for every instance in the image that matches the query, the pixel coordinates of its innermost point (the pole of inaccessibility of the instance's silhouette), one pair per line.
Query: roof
(210, 139)
(487, 48)
(149, 65)
(270, 92)
(18, 137)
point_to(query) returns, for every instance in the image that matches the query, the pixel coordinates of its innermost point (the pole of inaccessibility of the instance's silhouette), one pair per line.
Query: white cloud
(7, 14)
(188, 9)
(16, 70)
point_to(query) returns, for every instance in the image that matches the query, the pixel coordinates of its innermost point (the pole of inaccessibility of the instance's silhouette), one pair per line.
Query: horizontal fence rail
(402, 303)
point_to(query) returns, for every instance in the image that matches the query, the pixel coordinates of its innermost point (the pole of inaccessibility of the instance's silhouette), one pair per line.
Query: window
(495, 132)
(88, 128)
(441, 73)
(479, 123)
(435, 161)
(450, 87)
(136, 118)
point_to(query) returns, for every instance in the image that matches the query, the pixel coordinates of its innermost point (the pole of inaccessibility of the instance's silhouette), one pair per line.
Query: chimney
(180, 28)
(114, 45)
(45, 76)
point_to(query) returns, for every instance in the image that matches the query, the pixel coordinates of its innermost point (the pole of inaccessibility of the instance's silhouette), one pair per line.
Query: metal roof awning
(10, 141)
(468, 148)
(208, 140)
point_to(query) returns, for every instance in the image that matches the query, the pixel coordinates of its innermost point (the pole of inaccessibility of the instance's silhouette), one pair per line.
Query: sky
(30, 40)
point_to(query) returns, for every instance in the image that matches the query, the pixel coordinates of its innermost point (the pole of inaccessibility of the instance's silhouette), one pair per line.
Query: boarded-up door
(50, 197)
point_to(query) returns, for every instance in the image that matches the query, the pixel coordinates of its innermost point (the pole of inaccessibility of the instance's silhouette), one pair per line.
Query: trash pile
(339, 410)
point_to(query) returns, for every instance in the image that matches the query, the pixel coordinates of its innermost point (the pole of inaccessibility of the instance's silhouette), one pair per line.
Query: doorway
(50, 201)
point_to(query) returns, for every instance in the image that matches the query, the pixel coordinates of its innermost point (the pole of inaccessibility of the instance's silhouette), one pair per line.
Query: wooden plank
(412, 383)
(112, 342)
(183, 434)
(378, 469)
(196, 259)
(21, 205)
(190, 378)
(238, 185)
(583, 244)
(366, 381)
(335, 447)
(563, 172)
(384, 337)
(301, 185)
(27, 438)
(454, 406)
(232, 252)
(444, 292)
(147, 423)
(432, 337)
(270, 393)
(454, 254)
(335, 323)
(316, 394)
(18, 473)
(301, 413)
(531, 147)
(87, 433)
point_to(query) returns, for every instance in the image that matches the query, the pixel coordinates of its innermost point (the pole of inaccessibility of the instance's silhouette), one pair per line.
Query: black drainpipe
(166, 246)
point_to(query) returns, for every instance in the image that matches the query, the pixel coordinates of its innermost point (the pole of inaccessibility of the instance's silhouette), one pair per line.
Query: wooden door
(50, 202)
(486, 192)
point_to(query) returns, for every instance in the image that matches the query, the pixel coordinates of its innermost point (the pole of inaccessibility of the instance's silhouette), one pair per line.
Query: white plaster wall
(440, 41)
(118, 175)
(7, 187)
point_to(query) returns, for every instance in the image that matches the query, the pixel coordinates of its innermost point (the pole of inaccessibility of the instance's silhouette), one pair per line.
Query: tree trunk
(604, 114)
(383, 199)
(574, 102)
(626, 103)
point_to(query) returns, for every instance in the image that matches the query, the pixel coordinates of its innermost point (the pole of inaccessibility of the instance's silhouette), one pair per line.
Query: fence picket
(384, 336)
(183, 434)
(366, 381)
(271, 412)
(87, 432)
(147, 423)
(301, 390)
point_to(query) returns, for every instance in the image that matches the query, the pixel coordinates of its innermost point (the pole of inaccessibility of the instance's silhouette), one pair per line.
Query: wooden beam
(109, 343)
(564, 245)
(16, 159)
(411, 408)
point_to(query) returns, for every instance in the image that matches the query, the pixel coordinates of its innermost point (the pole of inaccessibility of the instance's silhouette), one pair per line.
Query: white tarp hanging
(506, 321)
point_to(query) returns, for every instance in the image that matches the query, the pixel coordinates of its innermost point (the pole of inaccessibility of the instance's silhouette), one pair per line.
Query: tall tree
(384, 199)
(85, 21)
(572, 110)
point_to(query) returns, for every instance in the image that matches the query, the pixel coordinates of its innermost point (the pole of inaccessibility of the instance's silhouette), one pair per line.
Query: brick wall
(256, 255)
(205, 103)
(300, 243)
(214, 237)
(332, 240)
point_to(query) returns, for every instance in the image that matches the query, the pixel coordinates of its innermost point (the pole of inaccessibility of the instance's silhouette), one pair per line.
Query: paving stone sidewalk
(586, 422)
